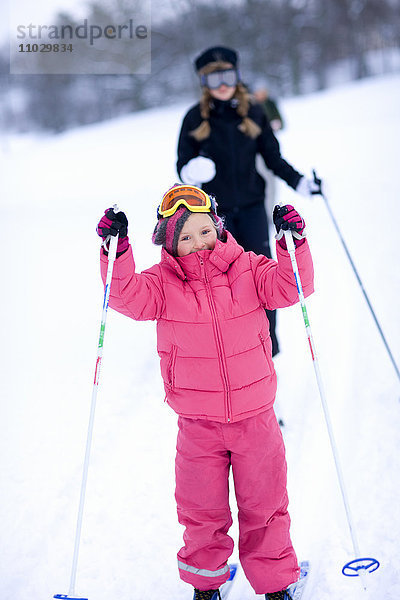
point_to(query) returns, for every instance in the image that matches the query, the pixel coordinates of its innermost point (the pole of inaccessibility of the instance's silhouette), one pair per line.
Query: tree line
(292, 46)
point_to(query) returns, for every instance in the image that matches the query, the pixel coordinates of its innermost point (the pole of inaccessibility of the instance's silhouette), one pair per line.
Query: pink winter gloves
(112, 223)
(286, 218)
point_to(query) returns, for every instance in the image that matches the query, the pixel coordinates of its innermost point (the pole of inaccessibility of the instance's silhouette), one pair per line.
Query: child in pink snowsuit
(209, 297)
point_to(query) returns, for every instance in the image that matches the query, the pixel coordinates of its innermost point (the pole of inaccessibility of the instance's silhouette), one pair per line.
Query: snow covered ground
(54, 189)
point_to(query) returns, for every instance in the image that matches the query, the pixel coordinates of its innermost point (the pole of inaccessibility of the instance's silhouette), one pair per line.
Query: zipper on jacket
(218, 340)
(171, 367)
(267, 356)
(263, 343)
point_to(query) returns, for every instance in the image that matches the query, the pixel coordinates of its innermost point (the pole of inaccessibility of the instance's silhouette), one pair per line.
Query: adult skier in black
(218, 144)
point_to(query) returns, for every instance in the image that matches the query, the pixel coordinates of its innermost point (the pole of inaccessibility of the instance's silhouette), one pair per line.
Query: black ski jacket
(236, 184)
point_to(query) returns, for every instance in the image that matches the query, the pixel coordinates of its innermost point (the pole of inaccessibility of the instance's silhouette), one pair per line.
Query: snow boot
(283, 595)
(207, 595)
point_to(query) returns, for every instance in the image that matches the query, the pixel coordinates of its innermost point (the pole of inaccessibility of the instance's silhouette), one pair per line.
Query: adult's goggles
(215, 79)
(195, 199)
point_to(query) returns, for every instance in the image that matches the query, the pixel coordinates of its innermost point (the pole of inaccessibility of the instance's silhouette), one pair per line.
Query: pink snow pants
(205, 452)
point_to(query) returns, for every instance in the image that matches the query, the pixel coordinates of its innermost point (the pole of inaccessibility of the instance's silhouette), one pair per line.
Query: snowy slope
(54, 191)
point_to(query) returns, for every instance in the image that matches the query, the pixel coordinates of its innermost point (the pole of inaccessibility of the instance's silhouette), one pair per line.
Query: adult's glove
(198, 170)
(286, 218)
(310, 187)
(111, 224)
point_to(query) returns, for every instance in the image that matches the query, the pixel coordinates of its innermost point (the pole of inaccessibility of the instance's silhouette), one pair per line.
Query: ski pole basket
(355, 567)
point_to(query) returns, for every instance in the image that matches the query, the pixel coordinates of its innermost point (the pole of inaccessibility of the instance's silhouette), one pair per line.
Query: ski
(68, 597)
(296, 589)
(226, 587)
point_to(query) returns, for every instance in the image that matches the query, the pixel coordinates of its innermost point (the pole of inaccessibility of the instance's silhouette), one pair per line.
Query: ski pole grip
(289, 238)
(112, 241)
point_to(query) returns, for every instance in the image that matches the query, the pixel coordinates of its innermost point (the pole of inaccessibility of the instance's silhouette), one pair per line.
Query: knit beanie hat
(168, 229)
(216, 54)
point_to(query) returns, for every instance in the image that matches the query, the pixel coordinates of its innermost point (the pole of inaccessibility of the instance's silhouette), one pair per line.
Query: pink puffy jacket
(212, 330)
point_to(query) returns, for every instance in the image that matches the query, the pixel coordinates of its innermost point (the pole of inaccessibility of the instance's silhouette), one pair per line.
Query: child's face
(198, 233)
(224, 92)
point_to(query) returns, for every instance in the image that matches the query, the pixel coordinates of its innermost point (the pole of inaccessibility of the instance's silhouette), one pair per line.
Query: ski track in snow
(54, 192)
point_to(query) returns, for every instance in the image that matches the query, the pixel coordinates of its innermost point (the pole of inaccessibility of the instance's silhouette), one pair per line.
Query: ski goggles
(195, 199)
(215, 79)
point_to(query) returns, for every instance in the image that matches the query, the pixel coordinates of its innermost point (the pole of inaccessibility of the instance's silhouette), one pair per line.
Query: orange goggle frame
(195, 199)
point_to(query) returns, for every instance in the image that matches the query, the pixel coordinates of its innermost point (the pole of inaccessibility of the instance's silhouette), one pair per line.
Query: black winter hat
(216, 54)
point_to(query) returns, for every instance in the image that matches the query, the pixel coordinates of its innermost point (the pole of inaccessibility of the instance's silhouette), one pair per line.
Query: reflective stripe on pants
(203, 572)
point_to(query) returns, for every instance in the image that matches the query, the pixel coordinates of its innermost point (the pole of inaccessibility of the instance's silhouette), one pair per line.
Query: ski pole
(112, 252)
(358, 566)
(396, 368)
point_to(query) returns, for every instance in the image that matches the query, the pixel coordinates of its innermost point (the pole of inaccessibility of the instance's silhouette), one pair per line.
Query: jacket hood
(219, 259)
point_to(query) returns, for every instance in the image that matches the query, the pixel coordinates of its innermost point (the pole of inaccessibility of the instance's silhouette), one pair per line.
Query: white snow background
(54, 190)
